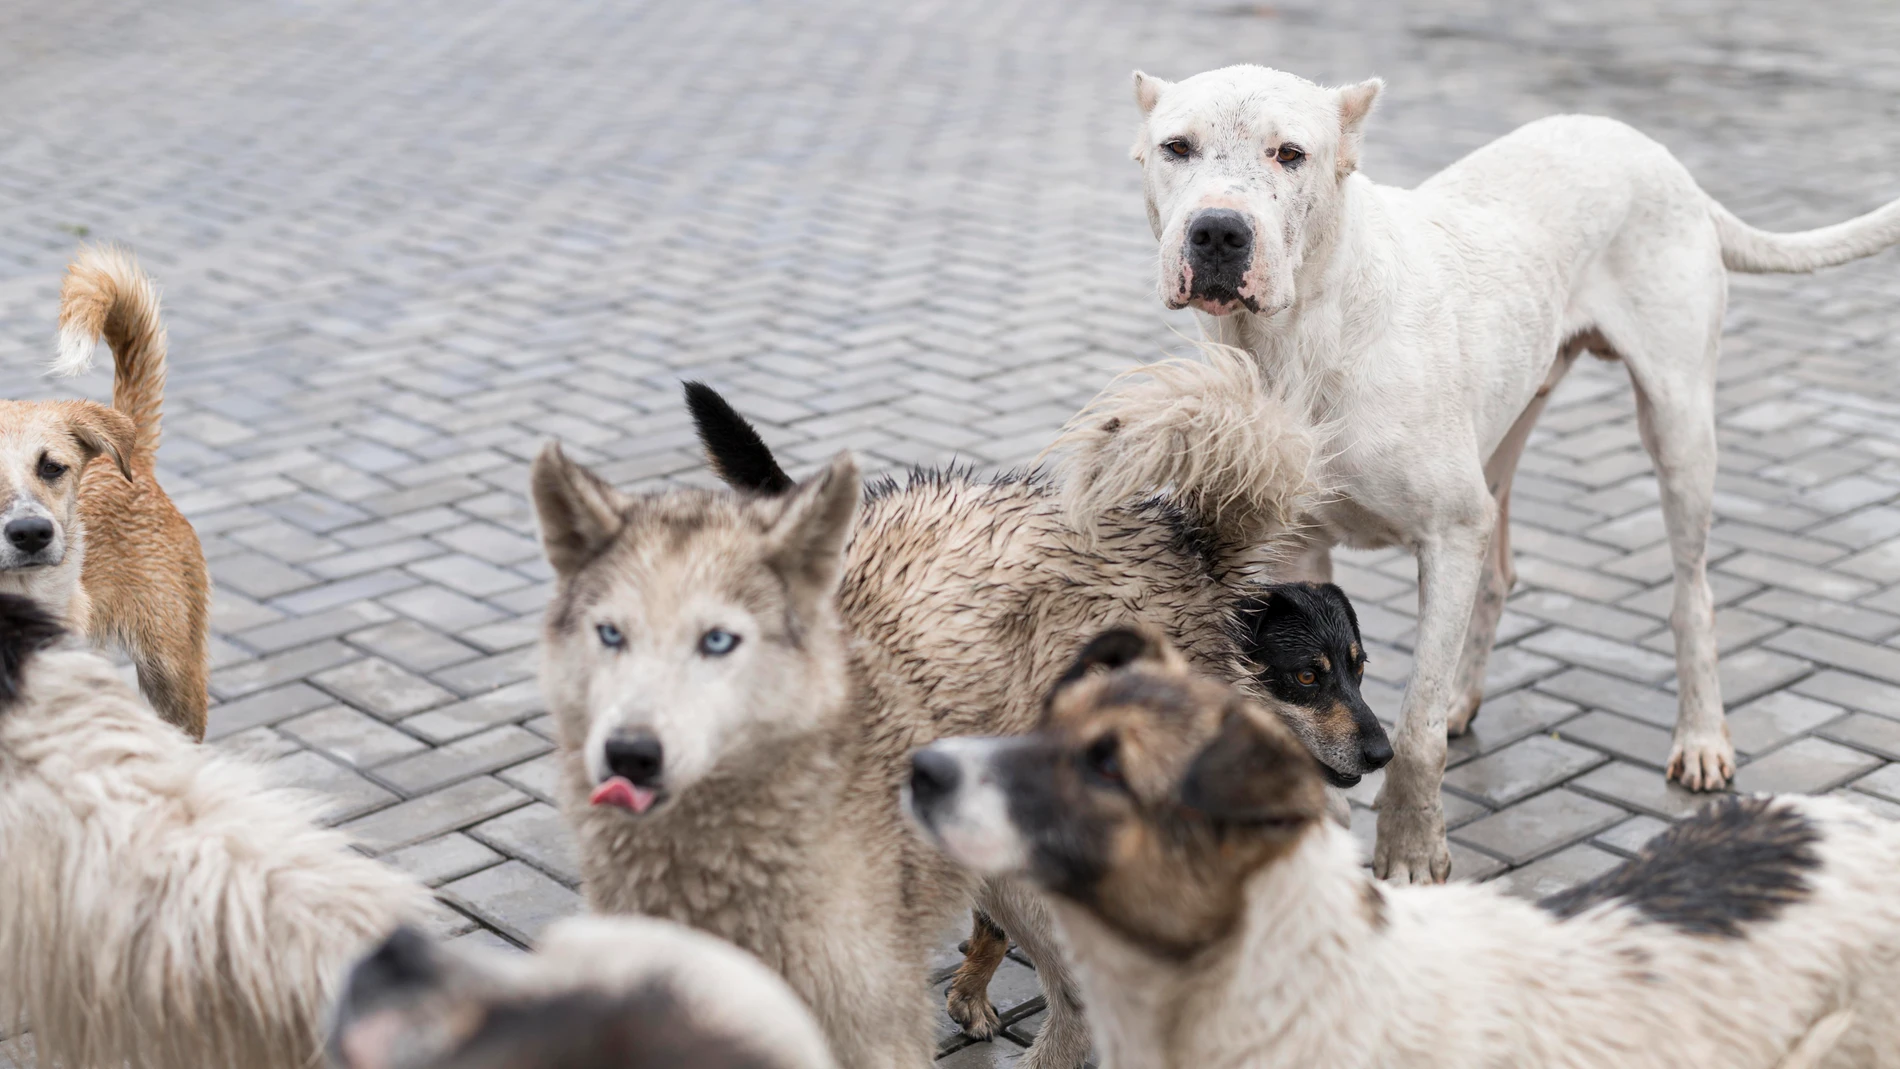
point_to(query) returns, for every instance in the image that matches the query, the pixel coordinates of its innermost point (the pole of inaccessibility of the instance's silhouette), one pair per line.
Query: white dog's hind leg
(1481, 633)
(1411, 840)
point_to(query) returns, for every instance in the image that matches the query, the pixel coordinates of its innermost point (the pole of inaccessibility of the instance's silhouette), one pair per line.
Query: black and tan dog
(1217, 918)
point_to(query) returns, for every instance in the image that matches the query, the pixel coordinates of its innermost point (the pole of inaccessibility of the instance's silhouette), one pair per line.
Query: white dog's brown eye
(1290, 155)
(610, 636)
(1178, 148)
(51, 469)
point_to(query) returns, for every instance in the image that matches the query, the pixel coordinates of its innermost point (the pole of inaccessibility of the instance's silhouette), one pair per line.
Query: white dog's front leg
(1411, 846)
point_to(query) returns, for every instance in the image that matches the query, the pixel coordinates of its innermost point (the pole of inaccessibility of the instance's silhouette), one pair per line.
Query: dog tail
(738, 455)
(1819, 1041)
(25, 629)
(106, 294)
(1745, 248)
(1213, 435)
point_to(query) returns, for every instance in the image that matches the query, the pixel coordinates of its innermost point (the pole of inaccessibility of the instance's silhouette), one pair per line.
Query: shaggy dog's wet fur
(1217, 919)
(598, 993)
(737, 695)
(160, 907)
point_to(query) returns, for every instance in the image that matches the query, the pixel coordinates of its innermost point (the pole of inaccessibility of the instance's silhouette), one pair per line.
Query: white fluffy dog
(160, 906)
(1429, 324)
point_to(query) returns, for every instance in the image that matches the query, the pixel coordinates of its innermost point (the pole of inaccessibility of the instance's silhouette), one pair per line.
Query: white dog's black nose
(637, 758)
(30, 534)
(1219, 237)
(933, 775)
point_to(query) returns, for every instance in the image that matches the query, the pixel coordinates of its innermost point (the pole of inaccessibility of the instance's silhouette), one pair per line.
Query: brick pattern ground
(404, 241)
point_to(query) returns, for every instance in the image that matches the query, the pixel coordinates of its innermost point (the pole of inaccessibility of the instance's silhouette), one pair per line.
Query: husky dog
(160, 908)
(737, 695)
(1215, 918)
(598, 993)
(85, 529)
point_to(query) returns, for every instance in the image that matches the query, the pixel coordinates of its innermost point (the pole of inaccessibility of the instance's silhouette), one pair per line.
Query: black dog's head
(1305, 638)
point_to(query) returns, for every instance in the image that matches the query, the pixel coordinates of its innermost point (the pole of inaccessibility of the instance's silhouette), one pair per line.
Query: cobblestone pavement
(404, 241)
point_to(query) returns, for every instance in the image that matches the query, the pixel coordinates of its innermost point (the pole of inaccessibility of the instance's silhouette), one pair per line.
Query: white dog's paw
(1411, 846)
(1702, 761)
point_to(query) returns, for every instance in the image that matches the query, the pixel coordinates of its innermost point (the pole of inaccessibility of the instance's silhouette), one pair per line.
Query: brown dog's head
(44, 448)
(1147, 795)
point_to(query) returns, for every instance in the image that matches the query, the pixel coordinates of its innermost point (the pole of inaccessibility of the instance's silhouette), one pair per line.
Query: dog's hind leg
(1064, 1041)
(968, 1000)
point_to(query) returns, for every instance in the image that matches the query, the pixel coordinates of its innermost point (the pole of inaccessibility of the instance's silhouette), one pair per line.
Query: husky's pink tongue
(618, 792)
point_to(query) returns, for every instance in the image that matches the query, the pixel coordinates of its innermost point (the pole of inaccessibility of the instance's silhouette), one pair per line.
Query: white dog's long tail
(1745, 248)
(1212, 434)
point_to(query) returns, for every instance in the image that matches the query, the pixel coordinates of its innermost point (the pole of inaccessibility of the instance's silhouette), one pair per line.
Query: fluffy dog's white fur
(160, 906)
(1430, 324)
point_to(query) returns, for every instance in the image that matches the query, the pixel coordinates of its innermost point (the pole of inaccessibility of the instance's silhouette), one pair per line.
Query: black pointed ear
(102, 430)
(1254, 773)
(807, 540)
(733, 446)
(579, 512)
(25, 629)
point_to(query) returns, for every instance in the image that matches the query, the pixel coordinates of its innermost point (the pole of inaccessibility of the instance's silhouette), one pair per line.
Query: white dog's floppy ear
(578, 511)
(807, 540)
(1355, 103)
(1148, 90)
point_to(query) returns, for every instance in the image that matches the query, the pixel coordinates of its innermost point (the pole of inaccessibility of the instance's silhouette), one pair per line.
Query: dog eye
(718, 642)
(1104, 759)
(1307, 677)
(610, 636)
(51, 469)
(1290, 155)
(1178, 148)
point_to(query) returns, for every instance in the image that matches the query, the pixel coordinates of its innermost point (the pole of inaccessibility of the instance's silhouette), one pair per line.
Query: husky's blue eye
(610, 636)
(718, 642)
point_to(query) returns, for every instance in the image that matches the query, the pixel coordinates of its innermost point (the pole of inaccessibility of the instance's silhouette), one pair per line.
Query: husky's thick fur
(160, 907)
(1216, 918)
(737, 696)
(598, 993)
(87, 531)
(1429, 326)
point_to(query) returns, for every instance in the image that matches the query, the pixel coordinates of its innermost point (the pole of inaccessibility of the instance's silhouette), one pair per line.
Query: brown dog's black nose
(933, 775)
(636, 758)
(1219, 237)
(30, 534)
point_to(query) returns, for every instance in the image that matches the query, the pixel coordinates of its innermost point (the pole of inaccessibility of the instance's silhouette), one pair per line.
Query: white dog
(160, 907)
(1428, 325)
(1216, 918)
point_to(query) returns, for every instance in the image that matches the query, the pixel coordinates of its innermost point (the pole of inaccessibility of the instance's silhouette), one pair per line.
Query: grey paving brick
(249, 677)
(1625, 659)
(263, 707)
(376, 686)
(1768, 722)
(536, 834)
(411, 645)
(1629, 837)
(345, 794)
(516, 900)
(350, 736)
(1521, 769)
(539, 777)
(1875, 734)
(1638, 788)
(474, 755)
(1619, 736)
(1806, 766)
(302, 630)
(449, 809)
(512, 703)
(1506, 719)
(1852, 692)
(439, 860)
(1559, 871)
(1539, 825)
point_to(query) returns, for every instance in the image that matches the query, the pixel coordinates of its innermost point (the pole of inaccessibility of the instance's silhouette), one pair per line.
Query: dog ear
(102, 430)
(579, 512)
(1355, 103)
(808, 539)
(1117, 648)
(25, 629)
(1253, 773)
(1148, 90)
(737, 453)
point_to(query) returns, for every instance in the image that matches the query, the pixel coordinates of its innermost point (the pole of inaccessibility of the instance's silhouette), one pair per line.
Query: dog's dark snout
(30, 534)
(932, 775)
(637, 758)
(1220, 236)
(1375, 751)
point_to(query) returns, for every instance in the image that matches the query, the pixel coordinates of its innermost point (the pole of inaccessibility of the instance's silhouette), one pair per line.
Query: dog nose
(932, 775)
(636, 758)
(1376, 752)
(1219, 236)
(30, 534)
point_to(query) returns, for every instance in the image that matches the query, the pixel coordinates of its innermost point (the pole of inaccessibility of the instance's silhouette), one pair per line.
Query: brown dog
(84, 527)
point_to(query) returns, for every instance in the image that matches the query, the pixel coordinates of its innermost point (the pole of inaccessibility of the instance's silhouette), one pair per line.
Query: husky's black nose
(637, 758)
(30, 534)
(933, 775)
(1221, 239)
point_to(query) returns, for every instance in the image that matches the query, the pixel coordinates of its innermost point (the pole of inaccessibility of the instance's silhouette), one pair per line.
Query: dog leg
(1064, 1041)
(1411, 831)
(968, 1000)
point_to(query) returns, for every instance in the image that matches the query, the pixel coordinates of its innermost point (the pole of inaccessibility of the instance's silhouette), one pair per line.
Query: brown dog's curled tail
(106, 294)
(1213, 435)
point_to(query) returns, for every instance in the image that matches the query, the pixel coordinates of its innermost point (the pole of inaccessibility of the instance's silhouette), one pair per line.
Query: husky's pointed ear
(578, 511)
(101, 430)
(1148, 90)
(1254, 773)
(808, 538)
(1355, 103)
